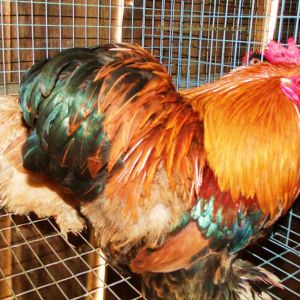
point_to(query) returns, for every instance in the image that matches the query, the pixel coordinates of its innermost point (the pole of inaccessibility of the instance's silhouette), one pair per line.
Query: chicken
(275, 53)
(252, 58)
(176, 184)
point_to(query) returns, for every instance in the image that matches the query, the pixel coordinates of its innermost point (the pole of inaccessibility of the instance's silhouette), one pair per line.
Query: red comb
(277, 54)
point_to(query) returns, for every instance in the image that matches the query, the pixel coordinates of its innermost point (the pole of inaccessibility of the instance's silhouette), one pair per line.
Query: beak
(286, 81)
(287, 88)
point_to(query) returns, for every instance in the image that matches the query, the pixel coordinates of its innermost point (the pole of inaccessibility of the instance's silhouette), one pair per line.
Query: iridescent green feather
(51, 71)
(59, 99)
(235, 237)
(34, 157)
(54, 96)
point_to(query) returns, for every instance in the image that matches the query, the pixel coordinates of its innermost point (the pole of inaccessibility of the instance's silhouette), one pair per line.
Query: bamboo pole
(96, 282)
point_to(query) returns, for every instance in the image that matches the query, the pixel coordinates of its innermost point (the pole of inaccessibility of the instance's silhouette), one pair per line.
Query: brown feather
(145, 129)
(151, 145)
(175, 254)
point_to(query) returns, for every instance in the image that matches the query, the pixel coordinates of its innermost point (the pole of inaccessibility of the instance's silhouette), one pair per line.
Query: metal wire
(198, 41)
(63, 267)
(282, 260)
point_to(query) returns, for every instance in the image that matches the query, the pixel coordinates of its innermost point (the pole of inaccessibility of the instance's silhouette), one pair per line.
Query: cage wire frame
(198, 42)
(58, 263)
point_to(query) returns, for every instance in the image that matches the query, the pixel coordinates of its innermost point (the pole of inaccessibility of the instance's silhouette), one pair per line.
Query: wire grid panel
(280, 254)
(198, 41)
(282, 262)
(38, 262)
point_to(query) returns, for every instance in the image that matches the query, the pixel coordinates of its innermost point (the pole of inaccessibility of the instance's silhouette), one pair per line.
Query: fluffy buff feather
(23, 191)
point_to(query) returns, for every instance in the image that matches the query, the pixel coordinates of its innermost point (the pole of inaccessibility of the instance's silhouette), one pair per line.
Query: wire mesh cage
(38, 262)
(197, 41)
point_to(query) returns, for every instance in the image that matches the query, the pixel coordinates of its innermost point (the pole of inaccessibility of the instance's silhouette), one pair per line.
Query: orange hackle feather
(237, 124)
(252, 135)
(154, 144)
(147, 129)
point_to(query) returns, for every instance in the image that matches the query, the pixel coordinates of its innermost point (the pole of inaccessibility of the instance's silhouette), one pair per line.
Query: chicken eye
(254, 61)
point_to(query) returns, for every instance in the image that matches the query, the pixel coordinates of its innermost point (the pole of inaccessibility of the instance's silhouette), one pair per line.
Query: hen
(174, 183)
(275, 53)
(252, 58)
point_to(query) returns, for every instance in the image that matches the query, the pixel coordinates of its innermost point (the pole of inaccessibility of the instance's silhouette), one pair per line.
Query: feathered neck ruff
(251, 134)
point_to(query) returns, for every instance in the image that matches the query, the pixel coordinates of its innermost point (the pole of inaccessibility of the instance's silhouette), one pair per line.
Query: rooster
(176, 184)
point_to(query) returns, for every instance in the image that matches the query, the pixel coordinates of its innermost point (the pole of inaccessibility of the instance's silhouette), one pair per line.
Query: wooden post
(270, 21)
(6, 5)
(6, 258)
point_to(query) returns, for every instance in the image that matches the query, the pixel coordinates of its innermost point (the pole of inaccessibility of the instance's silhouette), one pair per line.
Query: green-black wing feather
(59, 100)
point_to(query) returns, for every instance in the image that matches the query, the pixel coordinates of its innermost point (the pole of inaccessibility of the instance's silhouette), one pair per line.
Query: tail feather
(217, 277)
(250, 273)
